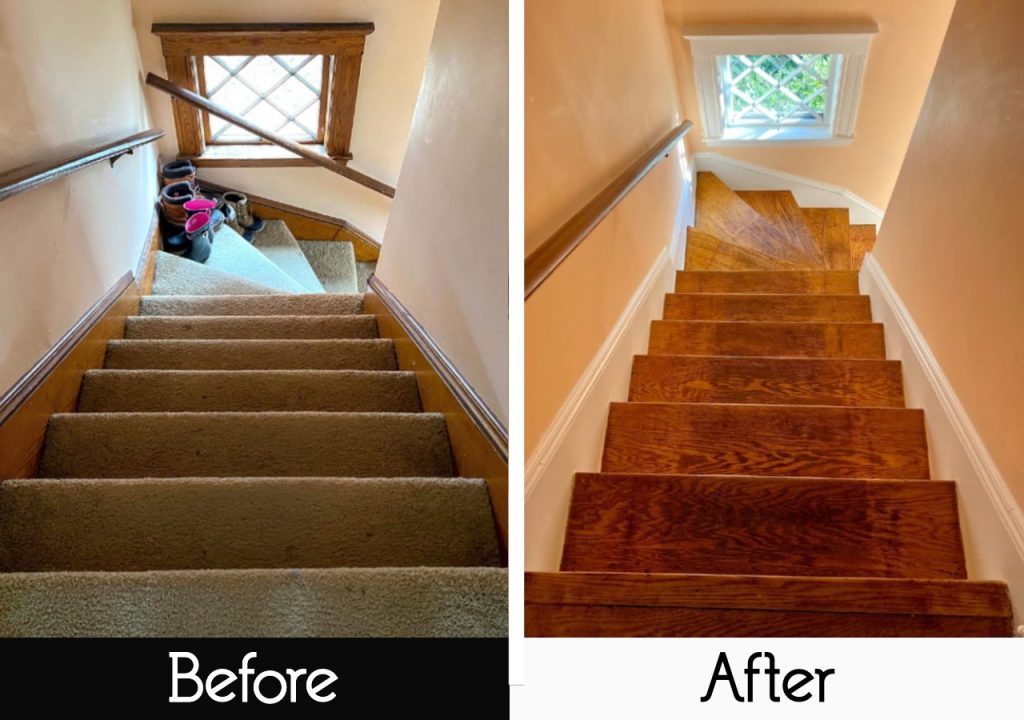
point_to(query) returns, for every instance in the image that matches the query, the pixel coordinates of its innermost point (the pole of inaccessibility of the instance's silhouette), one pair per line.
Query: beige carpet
(339, 602)
(232, 327)
(248, 391)
(334, 264)
(249, 465)
(176, 276)
(253, 305)
(278, 245)
(252, 354)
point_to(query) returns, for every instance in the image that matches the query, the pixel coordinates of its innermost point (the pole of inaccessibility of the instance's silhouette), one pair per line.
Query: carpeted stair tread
(334, 264)
(232, 253)
(251, 354)
(338, 602)
(242, 327)
(323, 304)
(219, 523)
(248, 391)
(174, 275)
(278, 245)
(363, 272)
(246, 444)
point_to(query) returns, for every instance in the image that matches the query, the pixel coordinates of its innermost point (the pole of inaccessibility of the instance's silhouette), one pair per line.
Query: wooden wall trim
(145, 270)
(484, 418)
(308, 224)
(52, 384)
(479, 441)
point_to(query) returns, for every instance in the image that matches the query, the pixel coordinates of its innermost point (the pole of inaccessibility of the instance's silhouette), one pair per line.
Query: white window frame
(847, 44)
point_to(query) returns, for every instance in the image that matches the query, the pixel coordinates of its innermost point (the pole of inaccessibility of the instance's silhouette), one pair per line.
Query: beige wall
(388, 85)
(899, 66)
(69, 74)
(445, 253)
(951, 242)
(600, 89)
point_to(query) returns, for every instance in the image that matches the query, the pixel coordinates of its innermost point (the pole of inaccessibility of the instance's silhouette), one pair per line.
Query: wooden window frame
(341, 44)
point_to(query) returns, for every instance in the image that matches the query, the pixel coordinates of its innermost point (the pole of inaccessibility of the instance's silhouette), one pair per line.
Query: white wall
(446, 249)
(69, 74)
(389, 82)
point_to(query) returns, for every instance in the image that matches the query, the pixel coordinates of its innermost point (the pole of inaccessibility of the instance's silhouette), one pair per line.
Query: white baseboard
(740, 175)
(991, 520)
(574, 439)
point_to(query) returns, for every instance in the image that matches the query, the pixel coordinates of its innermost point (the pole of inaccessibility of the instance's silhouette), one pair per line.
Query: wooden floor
(764, 477)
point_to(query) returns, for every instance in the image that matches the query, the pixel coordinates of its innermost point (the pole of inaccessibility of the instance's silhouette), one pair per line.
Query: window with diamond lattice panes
(280, 93)
(777, 90)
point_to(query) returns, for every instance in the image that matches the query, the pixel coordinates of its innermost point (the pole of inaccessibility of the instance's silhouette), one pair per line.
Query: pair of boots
(189, 219)
(242, 221)
(196, 240)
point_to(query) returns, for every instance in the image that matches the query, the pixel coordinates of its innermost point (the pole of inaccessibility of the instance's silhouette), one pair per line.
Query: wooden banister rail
(31, 176)
(322, 160)
(543, 261)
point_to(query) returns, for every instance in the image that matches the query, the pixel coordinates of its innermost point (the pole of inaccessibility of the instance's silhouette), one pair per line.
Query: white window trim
(849, 42)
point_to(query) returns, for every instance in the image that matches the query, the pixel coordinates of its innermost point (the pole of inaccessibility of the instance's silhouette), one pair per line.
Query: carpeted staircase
(249, 461)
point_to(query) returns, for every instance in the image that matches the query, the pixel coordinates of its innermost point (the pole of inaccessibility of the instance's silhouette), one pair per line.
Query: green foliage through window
(776, 89)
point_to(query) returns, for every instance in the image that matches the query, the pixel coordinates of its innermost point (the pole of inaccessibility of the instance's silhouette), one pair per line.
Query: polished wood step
(780, 208)
(770, 440)
(831, 230)
(721, 213)
(764, 526)
(771, 339)
(772, 307)
(568, 604)
(706, 252)
(862, 241)
(787, 381)
(827, 282)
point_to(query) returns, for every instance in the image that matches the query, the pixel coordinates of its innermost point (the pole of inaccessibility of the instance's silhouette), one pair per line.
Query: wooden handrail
(31, 176)
(214, 109)
(543, 261)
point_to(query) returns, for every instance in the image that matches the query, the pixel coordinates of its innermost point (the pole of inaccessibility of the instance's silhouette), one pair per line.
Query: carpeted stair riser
(278, 245)
(323, 304)
(251, 354)
(174, 275)
(221, 523)
(238, 327)
(248, 391)
(339, 602)
(296, 444)
(334, 264)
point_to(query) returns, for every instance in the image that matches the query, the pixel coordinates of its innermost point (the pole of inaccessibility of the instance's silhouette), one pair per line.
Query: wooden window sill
(256, 156)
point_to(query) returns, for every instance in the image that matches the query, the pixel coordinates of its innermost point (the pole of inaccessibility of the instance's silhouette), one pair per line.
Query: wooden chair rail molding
(545, 259)
(32, 176)
(316, 158)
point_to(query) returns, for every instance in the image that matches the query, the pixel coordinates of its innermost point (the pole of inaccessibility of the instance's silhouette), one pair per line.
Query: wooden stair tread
(723, 214)
(780, 208)
(706, 252)
(773, 339)
(831, 229)
(764, 526)
(770, 440)
(796, 381)
(768, 281)
(568, 604)
(862, 241)
(771, 307)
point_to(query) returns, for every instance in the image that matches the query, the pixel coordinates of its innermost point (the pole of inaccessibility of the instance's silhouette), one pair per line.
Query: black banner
(455, 676)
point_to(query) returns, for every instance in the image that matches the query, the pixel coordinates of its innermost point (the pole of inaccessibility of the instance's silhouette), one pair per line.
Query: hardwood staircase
(764, 477)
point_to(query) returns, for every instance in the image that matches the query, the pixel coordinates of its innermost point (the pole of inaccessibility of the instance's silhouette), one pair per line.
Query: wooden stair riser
(684, 379)
(769, 440)
(757, 281)
(767, 308)
(763, 339)
(831, 229)
(764, 526)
